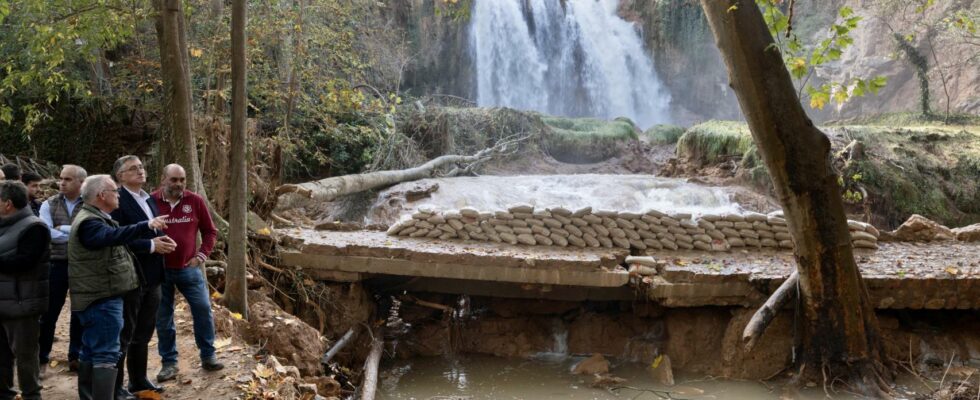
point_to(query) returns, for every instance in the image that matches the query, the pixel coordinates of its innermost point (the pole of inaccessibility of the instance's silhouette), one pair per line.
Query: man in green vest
(102, 270)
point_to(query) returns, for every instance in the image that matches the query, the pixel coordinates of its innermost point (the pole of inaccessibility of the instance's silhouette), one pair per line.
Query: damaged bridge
(938, 275)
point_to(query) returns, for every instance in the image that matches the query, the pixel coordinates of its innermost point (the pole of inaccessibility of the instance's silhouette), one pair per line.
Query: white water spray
(573, 58)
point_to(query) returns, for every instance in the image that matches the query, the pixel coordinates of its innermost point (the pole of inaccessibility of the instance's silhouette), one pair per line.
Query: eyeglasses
(113, 191)
(135, 168)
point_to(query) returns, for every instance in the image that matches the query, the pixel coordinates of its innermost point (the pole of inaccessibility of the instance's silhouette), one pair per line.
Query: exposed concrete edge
(599, 277)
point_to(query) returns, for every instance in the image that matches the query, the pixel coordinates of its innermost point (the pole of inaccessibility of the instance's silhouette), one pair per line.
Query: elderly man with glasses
(102, 271)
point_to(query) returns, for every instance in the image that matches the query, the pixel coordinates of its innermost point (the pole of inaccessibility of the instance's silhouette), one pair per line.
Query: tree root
(764, 316)
(865, 378)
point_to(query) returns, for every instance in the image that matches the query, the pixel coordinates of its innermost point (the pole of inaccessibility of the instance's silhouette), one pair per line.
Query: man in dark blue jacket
(140, 305)
(24, 253)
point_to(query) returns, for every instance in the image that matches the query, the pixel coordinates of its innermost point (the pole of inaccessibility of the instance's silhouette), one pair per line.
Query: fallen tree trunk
(764, 316)
(291, 196)
(370, 384)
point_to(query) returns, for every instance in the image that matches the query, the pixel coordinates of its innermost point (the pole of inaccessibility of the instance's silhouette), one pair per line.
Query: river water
(485, 377)
(611, 192)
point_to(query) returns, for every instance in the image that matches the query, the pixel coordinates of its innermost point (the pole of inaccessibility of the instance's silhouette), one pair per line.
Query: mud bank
(704, 340)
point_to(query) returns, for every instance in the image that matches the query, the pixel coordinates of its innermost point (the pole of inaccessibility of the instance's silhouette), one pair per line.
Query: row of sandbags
(585, 227)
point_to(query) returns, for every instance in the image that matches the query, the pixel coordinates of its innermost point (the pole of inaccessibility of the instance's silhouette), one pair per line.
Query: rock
(597, 364)
(605, 381)
(921, 229)
(308, 389)
(969, 233)
(273, 363)
(286, 337)
(325, 385)
(661, 370)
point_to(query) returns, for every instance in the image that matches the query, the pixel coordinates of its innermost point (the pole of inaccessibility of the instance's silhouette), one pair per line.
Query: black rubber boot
(84, 381)
(120, 390)
(103, 383)
(136, 366)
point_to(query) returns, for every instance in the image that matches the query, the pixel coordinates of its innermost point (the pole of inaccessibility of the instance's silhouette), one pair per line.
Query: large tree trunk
(179, 144)
(840, 330)
(235, 286)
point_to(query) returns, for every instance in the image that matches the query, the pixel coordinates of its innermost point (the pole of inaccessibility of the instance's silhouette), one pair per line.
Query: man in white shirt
(58, 212)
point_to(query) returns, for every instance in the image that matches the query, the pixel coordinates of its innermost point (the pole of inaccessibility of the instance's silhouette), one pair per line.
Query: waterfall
(559, 349)
(573, 58)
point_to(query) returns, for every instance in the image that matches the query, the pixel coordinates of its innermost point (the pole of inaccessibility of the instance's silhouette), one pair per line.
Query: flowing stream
(610, 192)
(484, 377)
(572, 58)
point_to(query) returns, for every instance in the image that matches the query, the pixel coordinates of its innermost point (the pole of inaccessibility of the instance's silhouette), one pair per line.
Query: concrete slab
(943, 275)
(597, 277)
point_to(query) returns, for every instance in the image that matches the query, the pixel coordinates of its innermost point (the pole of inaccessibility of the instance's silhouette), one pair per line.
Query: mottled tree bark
(840, 330)
(235, 285)
(179, 143)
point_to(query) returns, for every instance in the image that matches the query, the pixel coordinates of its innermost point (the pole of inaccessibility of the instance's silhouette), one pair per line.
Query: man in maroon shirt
(188, 215)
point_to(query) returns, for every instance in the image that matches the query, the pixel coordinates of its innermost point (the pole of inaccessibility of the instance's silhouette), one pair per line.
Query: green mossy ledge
(586, 140)
(920, 168)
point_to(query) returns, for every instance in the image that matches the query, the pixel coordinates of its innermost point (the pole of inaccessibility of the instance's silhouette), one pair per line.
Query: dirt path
(192, 382)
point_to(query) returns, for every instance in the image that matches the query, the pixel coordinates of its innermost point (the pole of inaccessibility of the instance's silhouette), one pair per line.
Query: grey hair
(94, 185)
(119, 164)
(80, 172)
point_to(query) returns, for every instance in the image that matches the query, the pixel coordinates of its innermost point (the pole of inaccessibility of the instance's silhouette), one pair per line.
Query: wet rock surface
(969, 233)
(921, 229)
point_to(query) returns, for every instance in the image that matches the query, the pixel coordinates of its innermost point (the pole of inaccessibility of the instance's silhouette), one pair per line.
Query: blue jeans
(190, 282)
(102, 322)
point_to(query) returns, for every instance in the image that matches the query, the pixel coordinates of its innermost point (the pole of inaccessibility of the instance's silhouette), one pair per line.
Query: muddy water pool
(486, 377)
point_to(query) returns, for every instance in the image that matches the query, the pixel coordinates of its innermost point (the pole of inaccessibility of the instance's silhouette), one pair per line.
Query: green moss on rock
(663, 134)
(586, 140)
(912, 168)
(713, 141)
(933, 171)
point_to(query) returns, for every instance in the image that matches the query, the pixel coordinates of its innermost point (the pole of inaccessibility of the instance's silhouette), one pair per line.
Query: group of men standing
(122, 254)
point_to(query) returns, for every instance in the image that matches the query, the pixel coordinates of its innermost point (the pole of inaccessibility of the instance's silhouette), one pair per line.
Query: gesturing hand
(163, 245)
(159, 223)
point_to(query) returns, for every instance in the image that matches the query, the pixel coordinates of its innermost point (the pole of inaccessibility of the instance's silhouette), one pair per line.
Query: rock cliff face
(686, 60)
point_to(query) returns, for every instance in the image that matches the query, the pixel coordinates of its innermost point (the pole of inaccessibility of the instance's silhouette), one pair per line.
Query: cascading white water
(559, 350)
(573, 58)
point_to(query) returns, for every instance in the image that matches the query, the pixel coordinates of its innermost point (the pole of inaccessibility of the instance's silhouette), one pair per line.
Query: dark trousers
(18, 346)
(139, 321)
(58, 285)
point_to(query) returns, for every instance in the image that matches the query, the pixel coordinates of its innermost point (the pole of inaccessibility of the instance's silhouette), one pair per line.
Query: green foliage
(909, 119)
(928, 170)
(921, 65)
(586, 140)
(664, 134)
(306, 60)
(456, 10)
(965, 21)
(802, 59)
(45, 46)
(712, 141)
